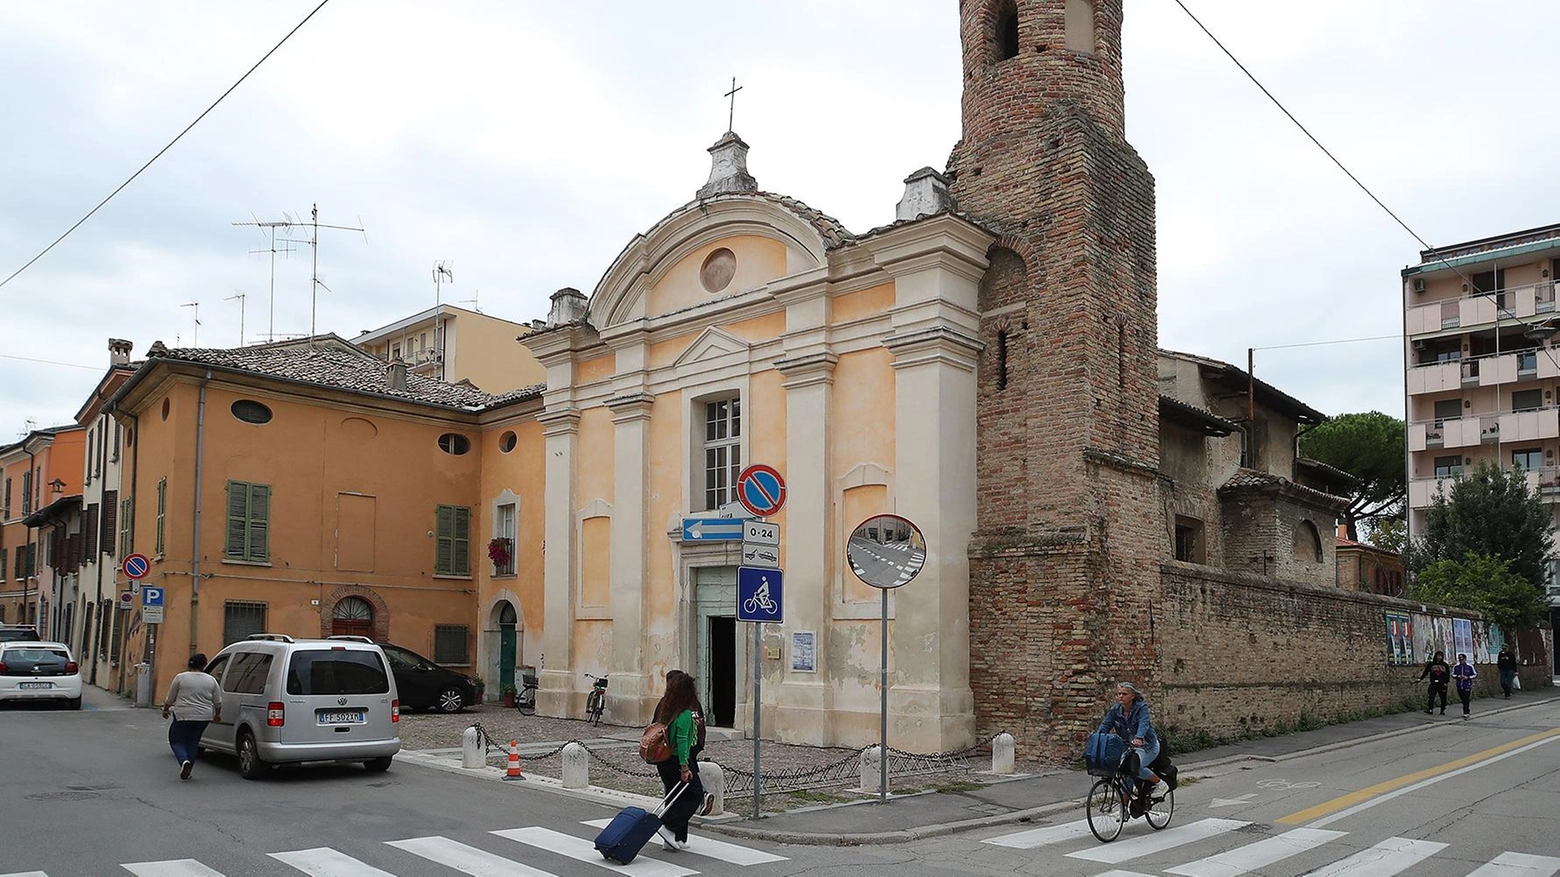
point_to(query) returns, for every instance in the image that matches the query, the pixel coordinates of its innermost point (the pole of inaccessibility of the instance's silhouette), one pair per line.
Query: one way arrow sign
(712, 529)
(1230, 802)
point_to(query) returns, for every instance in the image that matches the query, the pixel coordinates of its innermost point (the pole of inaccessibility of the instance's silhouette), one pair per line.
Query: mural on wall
(1400, 639)
(1462, 641)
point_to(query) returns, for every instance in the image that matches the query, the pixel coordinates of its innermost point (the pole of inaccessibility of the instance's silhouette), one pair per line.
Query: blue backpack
(1103, 753)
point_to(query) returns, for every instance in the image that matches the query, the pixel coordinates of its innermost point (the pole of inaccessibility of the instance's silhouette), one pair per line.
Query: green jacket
(681, 735)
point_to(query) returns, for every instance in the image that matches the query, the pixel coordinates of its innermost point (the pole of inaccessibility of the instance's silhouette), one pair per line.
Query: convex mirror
(886, 551)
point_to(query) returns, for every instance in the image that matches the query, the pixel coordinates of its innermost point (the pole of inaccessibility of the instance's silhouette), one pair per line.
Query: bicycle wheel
(526, 702)
(1160, 810)
(594, 706)
(1104, 810)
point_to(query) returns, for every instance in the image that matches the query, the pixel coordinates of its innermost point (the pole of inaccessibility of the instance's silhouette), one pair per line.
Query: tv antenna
(443, 272)
(270, 227)
(194, 336)
(313, 226)
(473, 301)
(239, 294)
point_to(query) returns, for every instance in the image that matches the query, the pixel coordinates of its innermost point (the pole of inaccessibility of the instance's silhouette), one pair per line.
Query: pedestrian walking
(699, 723)
(194, 700)
(675, 711)
(1465, 675)
(1440, 673)
(1506, 663)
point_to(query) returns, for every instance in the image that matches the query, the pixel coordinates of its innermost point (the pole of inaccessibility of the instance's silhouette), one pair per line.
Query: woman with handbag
(675, 712)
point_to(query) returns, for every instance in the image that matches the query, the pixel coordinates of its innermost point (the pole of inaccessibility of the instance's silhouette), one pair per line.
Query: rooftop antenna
(314, 278)
(194, 336)
(443, 272)
(28, 426)
(473, 301)
(240, 296)
(270, 227)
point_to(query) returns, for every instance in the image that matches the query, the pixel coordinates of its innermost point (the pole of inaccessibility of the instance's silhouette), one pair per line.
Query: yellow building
(454, 344)
(36, 472)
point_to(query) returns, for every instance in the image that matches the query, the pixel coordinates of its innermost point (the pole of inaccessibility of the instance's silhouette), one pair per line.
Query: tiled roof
(1252, 479)
(834, 234)
(1190, 415)
(339, 366)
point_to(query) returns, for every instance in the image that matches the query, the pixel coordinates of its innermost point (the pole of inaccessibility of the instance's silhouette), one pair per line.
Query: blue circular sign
(136, 566)
(761, 490)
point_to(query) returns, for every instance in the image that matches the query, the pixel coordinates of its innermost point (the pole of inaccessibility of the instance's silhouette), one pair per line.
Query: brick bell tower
(1071, 522)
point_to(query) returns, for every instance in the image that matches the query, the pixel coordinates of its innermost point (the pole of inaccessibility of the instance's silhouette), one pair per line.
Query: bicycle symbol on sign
(1285, 785)
(760, 600)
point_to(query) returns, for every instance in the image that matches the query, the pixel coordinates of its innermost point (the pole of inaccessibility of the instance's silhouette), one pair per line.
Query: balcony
(1506, 367)
(1545, 481)
(1484, 429)
(1480, 308)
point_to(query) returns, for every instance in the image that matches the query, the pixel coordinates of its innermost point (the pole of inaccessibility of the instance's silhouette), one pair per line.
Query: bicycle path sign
(760, 594)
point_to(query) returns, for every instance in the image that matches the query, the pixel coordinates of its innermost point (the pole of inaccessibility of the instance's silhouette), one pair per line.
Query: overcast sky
(526, 143)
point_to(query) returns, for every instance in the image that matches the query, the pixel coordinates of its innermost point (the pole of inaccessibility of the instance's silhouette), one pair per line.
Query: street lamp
(57, 485)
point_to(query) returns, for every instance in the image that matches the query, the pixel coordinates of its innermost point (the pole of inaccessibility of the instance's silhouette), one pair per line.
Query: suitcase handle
(666, 802)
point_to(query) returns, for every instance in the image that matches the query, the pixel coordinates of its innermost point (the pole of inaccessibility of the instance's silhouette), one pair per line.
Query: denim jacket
(1132, 725)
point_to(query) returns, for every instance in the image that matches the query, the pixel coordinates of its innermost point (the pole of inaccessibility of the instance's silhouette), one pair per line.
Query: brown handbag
(653, 745)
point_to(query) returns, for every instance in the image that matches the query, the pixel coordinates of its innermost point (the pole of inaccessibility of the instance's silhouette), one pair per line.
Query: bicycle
(596, 702)
(1107, 813)
(525, 701)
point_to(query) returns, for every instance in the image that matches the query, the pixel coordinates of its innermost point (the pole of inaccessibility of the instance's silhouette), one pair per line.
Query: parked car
(425, 685)
(18, 633)
(33, 670)
(296, 701)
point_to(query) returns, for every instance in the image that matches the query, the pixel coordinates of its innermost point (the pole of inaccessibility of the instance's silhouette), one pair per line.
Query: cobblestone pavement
(615, 763)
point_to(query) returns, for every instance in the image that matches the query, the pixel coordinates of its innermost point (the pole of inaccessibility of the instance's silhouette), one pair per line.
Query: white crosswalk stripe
(1518, 865)
(1157, 842)
(172, 868)
(730, 853)
(1244, 859)
(326, 862)
(1386, 859)
(585, 851)
(466, 859)
(26, 874)
(1039, 837)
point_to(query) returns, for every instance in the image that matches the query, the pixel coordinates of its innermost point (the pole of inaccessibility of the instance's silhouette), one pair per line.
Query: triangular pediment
(712, 343)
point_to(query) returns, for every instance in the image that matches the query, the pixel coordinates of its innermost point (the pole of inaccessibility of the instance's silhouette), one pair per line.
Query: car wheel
(449, 700)
(73, 704)
(378, 765)
(250, 765)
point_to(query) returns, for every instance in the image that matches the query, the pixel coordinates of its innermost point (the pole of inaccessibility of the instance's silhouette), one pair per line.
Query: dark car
(426, 685)
(12, 633)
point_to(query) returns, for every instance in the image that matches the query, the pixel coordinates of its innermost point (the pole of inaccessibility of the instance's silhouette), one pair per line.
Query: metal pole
(883, 717)
(757, 643)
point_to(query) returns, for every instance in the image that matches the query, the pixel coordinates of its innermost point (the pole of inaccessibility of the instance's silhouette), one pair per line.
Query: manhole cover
(63, 796)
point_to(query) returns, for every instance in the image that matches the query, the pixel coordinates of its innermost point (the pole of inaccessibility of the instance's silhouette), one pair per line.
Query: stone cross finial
(926, 193)
(728, 167)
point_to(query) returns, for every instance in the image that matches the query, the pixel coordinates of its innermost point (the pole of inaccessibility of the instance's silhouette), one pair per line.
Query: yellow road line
(1353, 798)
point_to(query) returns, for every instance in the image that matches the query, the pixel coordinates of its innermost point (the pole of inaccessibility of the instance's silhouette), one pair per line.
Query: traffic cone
(514, 762)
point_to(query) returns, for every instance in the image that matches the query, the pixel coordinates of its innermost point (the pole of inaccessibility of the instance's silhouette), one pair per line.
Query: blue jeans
(184, 739)
(1146, 756)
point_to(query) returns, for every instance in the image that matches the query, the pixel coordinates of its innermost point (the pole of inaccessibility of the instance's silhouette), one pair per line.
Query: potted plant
(508, 693)
(479, 685)
(500, 551)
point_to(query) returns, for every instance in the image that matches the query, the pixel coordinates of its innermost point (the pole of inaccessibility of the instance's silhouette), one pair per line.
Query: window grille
(240, 619)
(449, 644)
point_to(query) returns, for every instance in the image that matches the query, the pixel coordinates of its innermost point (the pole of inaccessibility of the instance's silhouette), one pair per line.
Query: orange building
(36, 473)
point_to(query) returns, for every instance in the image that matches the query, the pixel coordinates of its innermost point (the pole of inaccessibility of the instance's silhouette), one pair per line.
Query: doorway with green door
(715, 631)
(505, 647)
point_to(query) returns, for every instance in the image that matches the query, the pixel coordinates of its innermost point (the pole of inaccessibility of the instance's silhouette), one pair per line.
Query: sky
(523, 144)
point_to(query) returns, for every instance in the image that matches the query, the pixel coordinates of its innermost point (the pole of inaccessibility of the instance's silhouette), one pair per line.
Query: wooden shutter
(162, 508)
(126, 515)
(237, 519)
(110, 521)
(445, 527)
(259, 522)
(89, 531)
(460, 545)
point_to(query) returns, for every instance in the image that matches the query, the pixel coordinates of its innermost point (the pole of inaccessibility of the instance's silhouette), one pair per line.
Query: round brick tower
(1071, 516)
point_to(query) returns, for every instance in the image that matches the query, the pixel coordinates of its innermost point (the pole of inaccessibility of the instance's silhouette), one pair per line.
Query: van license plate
(342, 717)
(30, 685)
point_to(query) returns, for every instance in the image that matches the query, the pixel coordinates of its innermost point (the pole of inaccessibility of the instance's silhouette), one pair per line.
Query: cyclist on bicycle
(1128, 719)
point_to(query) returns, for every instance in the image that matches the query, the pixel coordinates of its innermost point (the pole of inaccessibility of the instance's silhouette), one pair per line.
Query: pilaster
(560, 429)
(630, 692)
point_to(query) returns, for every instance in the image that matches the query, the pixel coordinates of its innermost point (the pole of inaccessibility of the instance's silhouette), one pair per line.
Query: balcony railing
(1480, 308)
(1487, 370)
(1482, 429)
(1544, 480)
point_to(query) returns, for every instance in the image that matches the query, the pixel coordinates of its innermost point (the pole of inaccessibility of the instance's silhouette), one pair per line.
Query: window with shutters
(110, 521)
(248, 522)
(162, 512)
(116, 643)
(91, 443)
(450, 644)
(32, 560)
(105, 627)
(453, 556)
(126, 515)
(7, 515)
(27, 492)
(89, 526)
(4, 554)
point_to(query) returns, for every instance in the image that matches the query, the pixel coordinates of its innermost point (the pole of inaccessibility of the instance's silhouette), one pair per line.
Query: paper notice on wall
(804, 654)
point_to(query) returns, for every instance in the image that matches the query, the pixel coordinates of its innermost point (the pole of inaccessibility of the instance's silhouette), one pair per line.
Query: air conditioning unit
(1419, 284)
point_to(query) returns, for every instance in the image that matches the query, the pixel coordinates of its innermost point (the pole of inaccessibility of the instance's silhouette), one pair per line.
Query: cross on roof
(731, 113)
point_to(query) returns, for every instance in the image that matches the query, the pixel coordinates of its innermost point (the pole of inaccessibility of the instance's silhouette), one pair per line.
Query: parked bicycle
(596, 703)
(1118, 796)
(525, 700)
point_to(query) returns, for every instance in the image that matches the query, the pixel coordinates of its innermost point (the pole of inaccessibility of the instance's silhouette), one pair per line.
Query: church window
(1308, 542)
(718, 269)
(1006, 33)
(1002, 360)
(722, 451)
(1080, 26)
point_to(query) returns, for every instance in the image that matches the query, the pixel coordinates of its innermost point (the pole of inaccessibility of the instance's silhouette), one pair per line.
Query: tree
(1389, 533)
(1369, 446)
(1491, 512)
(1485, 584)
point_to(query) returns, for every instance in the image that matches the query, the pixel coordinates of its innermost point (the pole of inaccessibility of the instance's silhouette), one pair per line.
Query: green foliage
(1491, 512)
(1485, 584)
(1386, 533)
(1370, 446)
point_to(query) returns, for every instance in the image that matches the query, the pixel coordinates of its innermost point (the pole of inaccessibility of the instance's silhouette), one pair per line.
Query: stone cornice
(937, 344)
(943, 241)
(630, 407)
(557, 345)
(562, 421)
(808, 369)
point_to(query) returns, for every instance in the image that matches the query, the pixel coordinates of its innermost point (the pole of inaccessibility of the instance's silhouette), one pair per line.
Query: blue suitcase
(632, 828)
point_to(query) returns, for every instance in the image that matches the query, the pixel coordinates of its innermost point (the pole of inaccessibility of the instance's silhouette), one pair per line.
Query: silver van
(290, 701)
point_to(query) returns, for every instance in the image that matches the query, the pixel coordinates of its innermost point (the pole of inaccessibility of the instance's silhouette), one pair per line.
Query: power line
(160, 152)
(49, 362)
(1397, 337)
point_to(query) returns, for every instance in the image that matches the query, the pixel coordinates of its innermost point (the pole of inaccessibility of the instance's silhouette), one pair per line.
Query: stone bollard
(576, 766)
(1002, 754)
(471, 755)
(714, 780)
(870, 772)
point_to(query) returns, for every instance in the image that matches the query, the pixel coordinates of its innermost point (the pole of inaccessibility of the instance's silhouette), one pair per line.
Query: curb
(596, 794)
(888, 837)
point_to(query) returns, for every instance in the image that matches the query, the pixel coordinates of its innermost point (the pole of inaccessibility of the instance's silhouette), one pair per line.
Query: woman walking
(675, 711)
(194, 700)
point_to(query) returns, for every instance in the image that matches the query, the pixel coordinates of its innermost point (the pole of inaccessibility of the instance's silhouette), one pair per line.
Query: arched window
(352, 616)
(1005, 29)
(1308, 542)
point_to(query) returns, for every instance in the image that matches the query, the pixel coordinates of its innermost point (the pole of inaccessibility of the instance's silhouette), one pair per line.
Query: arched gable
(623, 293)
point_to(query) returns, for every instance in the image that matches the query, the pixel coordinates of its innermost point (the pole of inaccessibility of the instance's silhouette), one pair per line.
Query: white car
(39, 671)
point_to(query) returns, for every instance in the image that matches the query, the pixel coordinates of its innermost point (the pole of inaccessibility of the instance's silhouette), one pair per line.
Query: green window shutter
(162, 510)
(125, 507)
(460, 547)
(3, 553)
(259, 547)
(32, 559)
(445, 527)
(237, 519)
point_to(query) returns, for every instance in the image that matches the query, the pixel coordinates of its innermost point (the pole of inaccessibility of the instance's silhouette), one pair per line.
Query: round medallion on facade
(718, 269)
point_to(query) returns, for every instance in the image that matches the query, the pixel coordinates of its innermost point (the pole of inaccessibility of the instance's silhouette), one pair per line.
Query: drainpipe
(200, 450)
(135, 456)
(98, 561)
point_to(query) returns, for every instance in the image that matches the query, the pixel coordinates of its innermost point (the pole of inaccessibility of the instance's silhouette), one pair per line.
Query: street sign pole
(883, 715)
(757, 706)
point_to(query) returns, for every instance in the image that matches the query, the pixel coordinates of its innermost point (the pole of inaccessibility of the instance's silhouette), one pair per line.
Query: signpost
(151, 605)
(136, 566)
(761, 490)
(760, 581)
(761, 544)
(712, 529)
(885, 552)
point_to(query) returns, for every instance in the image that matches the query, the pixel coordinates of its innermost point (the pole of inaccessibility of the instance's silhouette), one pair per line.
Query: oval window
(167, 404)
(718, 269)
(507, 441)
(250, 411)
(454, 443)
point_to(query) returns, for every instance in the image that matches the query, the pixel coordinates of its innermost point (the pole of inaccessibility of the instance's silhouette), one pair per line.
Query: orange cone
(514, 762)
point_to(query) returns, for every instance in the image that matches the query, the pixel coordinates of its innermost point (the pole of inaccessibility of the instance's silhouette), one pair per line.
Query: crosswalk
(1391, 857)
(539, 852)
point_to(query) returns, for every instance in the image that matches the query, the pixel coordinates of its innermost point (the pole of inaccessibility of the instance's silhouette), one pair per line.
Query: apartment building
(1482, 373)
(40, 483)
(454, 344)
